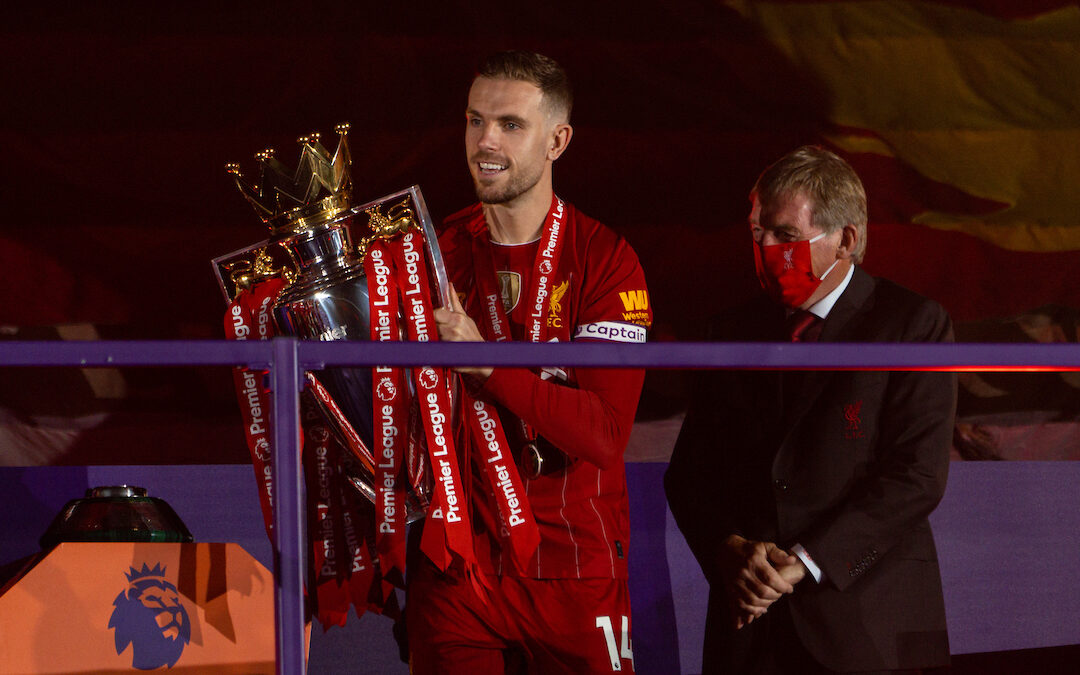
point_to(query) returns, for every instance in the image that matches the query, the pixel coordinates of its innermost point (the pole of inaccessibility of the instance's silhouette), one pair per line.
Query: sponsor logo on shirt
(640, 318)
(613, 331)
(634, 300)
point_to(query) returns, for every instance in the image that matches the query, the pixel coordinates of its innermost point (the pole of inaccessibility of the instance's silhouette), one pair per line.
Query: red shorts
(512, 625)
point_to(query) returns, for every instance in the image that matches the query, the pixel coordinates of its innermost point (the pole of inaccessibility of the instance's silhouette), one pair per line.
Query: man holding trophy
(526, 265)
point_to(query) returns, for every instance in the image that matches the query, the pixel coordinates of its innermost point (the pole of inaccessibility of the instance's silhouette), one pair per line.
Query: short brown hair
(837, 197)
(540, 70)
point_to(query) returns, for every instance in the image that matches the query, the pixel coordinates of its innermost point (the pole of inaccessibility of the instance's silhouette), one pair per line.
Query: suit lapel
(853, 301)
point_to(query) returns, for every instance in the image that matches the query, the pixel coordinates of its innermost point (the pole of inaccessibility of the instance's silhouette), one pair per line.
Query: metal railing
(287, 358)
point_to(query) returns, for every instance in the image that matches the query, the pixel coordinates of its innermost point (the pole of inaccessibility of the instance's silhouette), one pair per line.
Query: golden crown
(294, 201)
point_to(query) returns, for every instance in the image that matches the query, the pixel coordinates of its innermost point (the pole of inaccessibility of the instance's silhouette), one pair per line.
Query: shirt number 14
(615, 651)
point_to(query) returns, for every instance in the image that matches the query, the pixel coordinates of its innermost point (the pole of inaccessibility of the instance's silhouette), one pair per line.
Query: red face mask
(786, 271)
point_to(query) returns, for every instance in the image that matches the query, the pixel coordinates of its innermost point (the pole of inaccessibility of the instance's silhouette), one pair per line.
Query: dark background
(117, 121)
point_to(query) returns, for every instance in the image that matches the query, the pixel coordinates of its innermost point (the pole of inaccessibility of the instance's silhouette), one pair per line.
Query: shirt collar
(822, 307)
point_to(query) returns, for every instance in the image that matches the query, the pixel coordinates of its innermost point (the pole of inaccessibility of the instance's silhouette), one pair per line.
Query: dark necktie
(803, 326)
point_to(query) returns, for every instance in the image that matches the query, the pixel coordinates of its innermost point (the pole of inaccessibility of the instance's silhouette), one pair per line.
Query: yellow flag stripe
(989, 106)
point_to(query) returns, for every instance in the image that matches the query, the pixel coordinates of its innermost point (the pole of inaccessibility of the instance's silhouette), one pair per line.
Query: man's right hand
(748, 572)
(455, 325)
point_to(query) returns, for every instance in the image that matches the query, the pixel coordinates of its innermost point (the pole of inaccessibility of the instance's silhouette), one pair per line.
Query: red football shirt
(598, 293)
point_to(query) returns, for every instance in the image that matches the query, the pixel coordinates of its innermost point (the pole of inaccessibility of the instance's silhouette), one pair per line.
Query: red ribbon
(340, 566)
(516, 522)
(434, 399)
(248, 317)
(390, 411)
(362, 571)
(354, 443)
(545, 266)
(329, 565)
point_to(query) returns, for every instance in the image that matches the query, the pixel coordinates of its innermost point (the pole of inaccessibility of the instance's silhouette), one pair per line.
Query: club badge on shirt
(852, 421)
(509, 289)
(555, 307)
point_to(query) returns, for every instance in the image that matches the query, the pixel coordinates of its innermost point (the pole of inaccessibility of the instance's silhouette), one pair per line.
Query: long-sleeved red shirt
(598, 293)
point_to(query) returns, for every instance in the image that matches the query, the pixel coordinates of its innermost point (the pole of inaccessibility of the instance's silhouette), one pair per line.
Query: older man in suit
(805, 495)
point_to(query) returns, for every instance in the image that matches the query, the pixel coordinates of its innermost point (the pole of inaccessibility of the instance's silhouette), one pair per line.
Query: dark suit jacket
(851, 471)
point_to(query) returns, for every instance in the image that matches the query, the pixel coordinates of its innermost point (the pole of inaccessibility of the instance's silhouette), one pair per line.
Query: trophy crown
(291, 201)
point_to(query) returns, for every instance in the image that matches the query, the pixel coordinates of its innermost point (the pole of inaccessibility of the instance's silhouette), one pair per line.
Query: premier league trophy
(320, 291)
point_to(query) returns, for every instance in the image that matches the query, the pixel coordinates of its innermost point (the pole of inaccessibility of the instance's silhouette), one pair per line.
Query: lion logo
(149, 616)
(262, 450)
(428, 378)
(319, 433)
(386, 391)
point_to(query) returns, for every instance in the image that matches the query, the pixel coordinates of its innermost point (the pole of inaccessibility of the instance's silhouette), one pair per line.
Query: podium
(131, 607)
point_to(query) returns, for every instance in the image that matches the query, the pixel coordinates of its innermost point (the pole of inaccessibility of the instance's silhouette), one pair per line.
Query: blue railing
(287, 358)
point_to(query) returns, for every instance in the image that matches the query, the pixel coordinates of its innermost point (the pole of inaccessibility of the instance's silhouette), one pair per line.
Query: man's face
(787, 219)
(508, 135)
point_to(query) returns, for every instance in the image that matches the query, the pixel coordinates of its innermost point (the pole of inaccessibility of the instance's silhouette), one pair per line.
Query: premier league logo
(428, 378)
(149, 616)
(386, 390)
(262, 449)
(319, 434)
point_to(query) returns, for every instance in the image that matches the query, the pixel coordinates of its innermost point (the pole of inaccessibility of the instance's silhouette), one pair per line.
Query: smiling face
(511, 139)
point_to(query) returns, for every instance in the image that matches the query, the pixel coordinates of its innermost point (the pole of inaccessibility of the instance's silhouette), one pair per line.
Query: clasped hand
(755, 574)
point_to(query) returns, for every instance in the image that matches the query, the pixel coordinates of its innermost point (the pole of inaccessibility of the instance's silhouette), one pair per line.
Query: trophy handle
(442, 279)
(437, 267)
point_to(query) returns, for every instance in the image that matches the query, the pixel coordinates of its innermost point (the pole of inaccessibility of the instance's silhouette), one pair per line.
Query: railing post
(289, 554)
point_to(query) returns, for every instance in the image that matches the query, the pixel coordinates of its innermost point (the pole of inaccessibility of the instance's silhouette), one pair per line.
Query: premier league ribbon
(329, 569)
(354, 443)
(516, 522)
(341, 570)
(390, 414)
(545, 266)
(247, 317)
(432, 388)
(449, 517)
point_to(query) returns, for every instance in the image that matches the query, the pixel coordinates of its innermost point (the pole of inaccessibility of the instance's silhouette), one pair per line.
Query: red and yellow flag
(960, 117)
